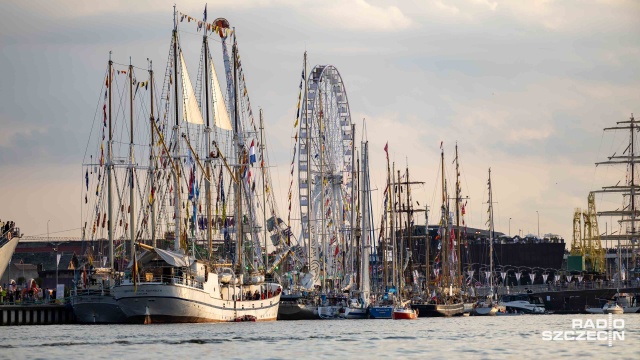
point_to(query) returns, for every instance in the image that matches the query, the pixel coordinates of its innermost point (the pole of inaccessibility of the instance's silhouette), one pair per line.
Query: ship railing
(176, 280)
(167, 279)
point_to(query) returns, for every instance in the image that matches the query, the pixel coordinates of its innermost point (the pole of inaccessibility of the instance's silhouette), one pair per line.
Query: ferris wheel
(325, 164)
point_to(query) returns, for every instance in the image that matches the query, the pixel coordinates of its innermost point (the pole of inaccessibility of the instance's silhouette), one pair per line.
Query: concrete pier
(36, 314)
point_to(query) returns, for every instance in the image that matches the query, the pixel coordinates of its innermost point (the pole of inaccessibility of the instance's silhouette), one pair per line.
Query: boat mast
(109, 170)
(239, 145)
(490, 236)
(633, 188)
(176, 129)
(427, 248)
(409, 216)
(364, 257)
(207, 132)
(392, 184)
(308, 144)
(355, 263)
(132, 227)
(264, 193)
(152, 158)
(401, 248)
(629, 189)
(444, 226)
(458, 277)
(353, 203)
(387, 207)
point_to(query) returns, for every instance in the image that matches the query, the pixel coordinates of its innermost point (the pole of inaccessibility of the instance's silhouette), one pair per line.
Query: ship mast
(176, 129)
(308, 145)
(628, 158)
(458, 240)
(207, 132)
(110, 169)
(240, 157)
(444, 227)
(132, 227)
(490, 236)
(394, 270)
(387, 207)
(353, 207)
(153, 160)
(264, 194)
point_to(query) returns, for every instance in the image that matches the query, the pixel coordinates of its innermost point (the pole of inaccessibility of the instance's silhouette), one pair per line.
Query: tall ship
(623, 237)
(443, 287)
(173, 255)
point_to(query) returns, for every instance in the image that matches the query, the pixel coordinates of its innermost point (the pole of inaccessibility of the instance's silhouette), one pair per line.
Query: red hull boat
(404, 314)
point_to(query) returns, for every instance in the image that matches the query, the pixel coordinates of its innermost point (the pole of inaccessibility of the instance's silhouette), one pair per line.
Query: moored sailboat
(178, 285)
(92, 299)
(490, 305)
(442, 296)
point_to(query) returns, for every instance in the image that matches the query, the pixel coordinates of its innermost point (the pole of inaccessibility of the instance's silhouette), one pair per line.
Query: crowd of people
(8, 227)
(30, 293)
(257, 295)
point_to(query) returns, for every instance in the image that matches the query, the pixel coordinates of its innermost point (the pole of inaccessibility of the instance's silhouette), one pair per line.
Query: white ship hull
(179, 303)
(524, 307)
(485, 311)
(331, 312)
(355, 313)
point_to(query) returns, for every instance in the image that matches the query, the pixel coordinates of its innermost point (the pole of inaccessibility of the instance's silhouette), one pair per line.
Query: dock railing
(561, 286)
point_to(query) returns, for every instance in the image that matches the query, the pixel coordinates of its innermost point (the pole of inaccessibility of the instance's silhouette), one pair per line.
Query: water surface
(504, 337)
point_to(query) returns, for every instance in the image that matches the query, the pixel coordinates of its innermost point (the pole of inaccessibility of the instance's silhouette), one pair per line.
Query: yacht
(523, 303)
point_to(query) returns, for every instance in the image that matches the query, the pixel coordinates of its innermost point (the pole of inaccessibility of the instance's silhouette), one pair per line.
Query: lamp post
(509, 227)
(56, 250)
(538, 223)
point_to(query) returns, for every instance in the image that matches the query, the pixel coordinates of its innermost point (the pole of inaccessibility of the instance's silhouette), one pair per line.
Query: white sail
(192, 112)
(220, 113)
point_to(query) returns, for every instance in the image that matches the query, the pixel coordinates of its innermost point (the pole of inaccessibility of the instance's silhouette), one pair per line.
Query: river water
(503, 337)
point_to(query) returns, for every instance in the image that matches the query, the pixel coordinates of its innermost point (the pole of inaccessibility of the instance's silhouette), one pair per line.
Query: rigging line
(467, 199)
(127, 66)
(53, 232)
(84, 157)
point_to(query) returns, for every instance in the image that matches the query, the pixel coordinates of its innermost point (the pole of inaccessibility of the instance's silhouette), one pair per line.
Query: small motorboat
(403, 313)
(614, 309)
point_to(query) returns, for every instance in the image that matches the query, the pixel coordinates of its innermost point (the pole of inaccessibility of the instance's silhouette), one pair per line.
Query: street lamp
(509, 227)
(57, 261)
(538, 223)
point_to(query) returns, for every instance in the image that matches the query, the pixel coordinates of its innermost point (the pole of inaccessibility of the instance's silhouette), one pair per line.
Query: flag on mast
(252, 153)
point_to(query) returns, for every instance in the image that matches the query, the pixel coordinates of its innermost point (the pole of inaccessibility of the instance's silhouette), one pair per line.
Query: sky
(522, 87)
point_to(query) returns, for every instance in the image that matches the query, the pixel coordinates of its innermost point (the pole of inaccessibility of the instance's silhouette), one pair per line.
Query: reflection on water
(464, 337)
